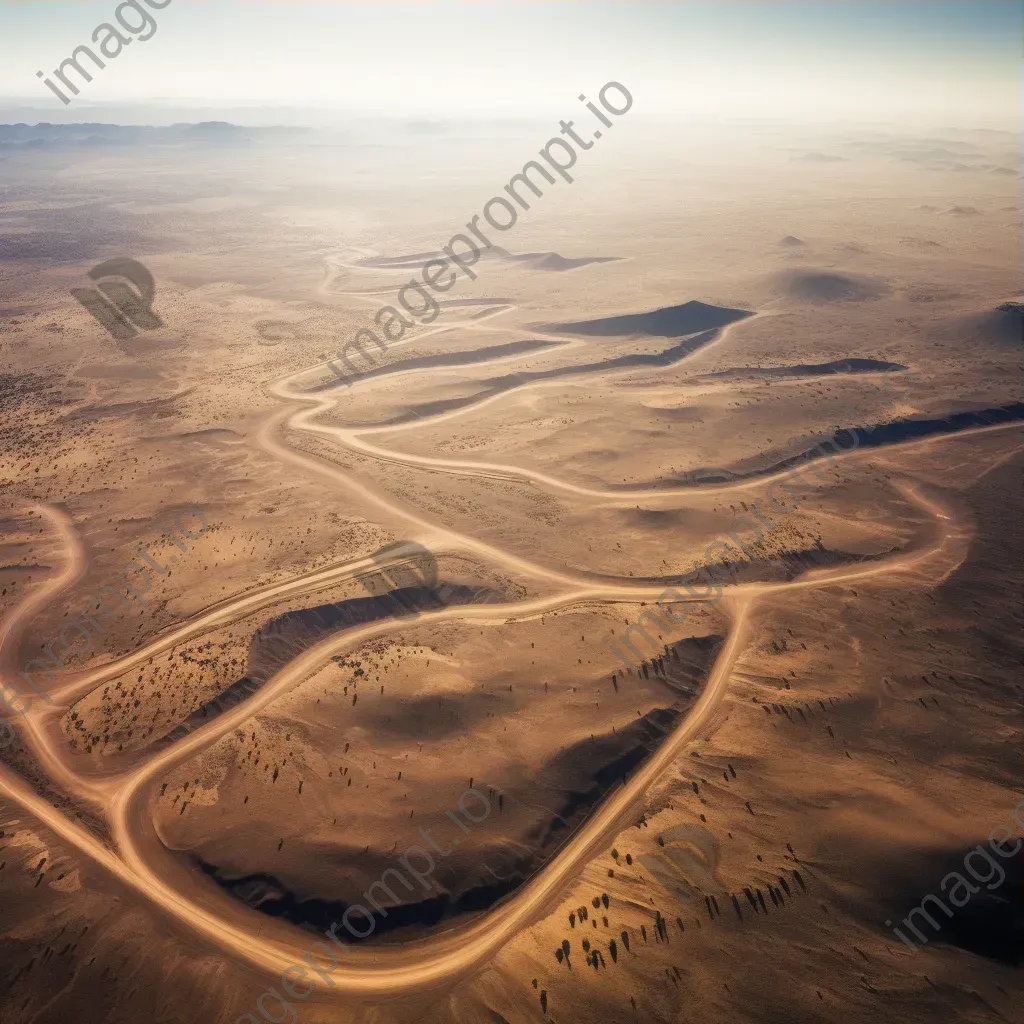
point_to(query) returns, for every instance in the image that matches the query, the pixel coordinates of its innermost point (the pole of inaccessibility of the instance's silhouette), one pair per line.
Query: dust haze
(660, 587)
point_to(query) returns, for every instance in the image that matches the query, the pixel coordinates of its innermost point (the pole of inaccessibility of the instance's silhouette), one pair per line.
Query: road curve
(139, 861)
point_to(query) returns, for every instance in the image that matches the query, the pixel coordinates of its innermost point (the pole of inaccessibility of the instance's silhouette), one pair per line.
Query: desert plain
(695, 666)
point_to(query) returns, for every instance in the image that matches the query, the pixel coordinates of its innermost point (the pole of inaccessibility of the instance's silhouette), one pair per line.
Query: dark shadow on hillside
(984, 588)
(583, 773)
(538, 260)
(855, 365)
(880, 435)
(757, 564)
(668, 322)
(286, 636)
(991, 922)
(547, 260)
(478, 355)
(510, 381)
(1002, 327)
(818, 286)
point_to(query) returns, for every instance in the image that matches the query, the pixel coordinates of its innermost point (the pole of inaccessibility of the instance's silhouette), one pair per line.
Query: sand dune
(285, 637)
(878, 435)
(510, 381)
(411, 261)
(668, 322)
(1002, 327)
(547, 260)
(807, 285)
(467, 358)
(851, 365)
(537, 260)
(223, 772)
(541, 811)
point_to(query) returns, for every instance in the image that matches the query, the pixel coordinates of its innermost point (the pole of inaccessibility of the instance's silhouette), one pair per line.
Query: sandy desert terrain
(695, 666)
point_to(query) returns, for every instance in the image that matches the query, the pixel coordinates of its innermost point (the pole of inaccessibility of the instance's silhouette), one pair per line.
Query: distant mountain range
(206, 133)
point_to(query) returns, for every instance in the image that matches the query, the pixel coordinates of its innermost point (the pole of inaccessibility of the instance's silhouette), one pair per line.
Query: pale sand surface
(231, 765)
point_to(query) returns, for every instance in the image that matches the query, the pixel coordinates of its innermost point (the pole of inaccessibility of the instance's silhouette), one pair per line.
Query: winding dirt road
(137, 858)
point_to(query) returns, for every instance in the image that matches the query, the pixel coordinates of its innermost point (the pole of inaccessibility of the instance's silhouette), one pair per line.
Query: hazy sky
(928, 62)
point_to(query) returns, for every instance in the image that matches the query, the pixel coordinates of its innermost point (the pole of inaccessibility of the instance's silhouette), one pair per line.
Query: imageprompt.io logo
(122, 310)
